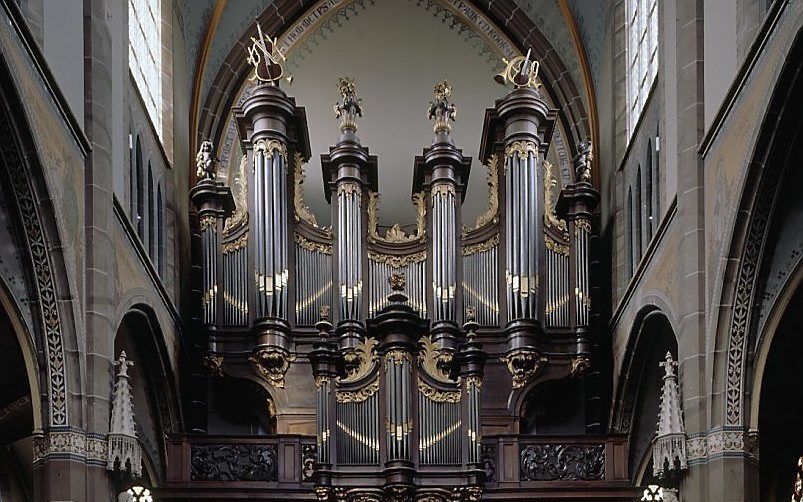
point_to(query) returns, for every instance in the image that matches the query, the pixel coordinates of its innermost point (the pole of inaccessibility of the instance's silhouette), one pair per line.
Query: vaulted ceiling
(377, 41)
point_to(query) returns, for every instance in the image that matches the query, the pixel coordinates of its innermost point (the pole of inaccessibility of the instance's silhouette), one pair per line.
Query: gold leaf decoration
(240, 215)
(396, 235)
(551, 219)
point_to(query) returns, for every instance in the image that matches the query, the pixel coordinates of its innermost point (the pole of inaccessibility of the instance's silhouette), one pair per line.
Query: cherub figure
(205, 162)
(582, 164)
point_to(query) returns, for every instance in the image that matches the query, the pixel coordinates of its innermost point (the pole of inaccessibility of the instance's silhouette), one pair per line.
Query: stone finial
(670, 445)
(124, 451)
(350, 107)
(442, 109)
(205, 162)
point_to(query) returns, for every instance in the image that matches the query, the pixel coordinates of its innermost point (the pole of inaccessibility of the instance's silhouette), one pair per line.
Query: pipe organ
(398, 370)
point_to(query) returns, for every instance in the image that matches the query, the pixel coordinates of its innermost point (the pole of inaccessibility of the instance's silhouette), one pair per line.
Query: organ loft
(401, 250)
(412, 346)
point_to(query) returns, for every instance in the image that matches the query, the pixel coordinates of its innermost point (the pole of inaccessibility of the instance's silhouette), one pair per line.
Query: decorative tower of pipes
(471, 362)
(442, 171)
(350, 171)
(271, 129)
(526, 123)
(214, 202)
(325, 361)
(669, 450)
(398, 328)
(576, 205)
(124, 452)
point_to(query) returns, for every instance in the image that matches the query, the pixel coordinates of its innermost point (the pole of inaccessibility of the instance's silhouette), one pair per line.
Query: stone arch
(149, 353)
(506, 17)
(54, 327)
(779, 130)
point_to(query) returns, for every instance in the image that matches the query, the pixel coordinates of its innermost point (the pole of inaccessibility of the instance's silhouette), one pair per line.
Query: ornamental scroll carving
(357, 396)
(361, 361)
(435, 361)
(302, 211)
(272, 363)
(562, 462)
(551, 219)
(240, 216)
(241, 462)
(395, 234)
(491, 214)
(397, 261)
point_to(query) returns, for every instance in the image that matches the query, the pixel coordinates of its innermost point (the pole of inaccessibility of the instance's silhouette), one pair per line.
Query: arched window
(642, 56)
(656, 175)
(151, 244)
(629, 233)
(160, 230)
(145, 54)
(637, 216)
(139, 216)
(648, 202)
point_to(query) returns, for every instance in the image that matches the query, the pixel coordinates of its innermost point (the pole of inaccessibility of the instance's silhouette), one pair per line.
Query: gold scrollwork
(523, 364)
(348, 188)
(442, 190)
(437, 395)
(491, 214)
(397, 356)
(473, 381)
(269, 146)
(481, 246)
(551, 219)
(555, 246)
(209, 222)
(272, 363)
(240, 215)
(359, 395)
(322, 380)
(580, 366)
(521, 149)
(302, 211)
(397, 261)
(236, 244)
(582, 224)
(317, 247)
(360, 361)
(435, 361)
(214, 365)
(395, 235)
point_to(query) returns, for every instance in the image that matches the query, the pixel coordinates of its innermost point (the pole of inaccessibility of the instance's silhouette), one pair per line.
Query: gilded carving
(351, 107)
(397, 261)
(397, 356)
(491, 214)
(302, 211)
(481, 246)
(360, 362)
(317, 247)
(357, 396)
(209, 222)
(272, 363)
(214, 365)
(348, 188)
(521, 71)
(396, 235)
(555, 246)
(551, 219)
(523, 365)
(580, 366)
(582, 225)
(585, 158)
(240, 215)
(236, 244)
(521, 149)
(435, 361)
(268, 147)
(266, 57)
(442, 190)
(441, 109)
(437, 395)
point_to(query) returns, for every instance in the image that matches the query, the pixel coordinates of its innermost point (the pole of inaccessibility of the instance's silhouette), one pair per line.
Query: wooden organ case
(413, 351)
